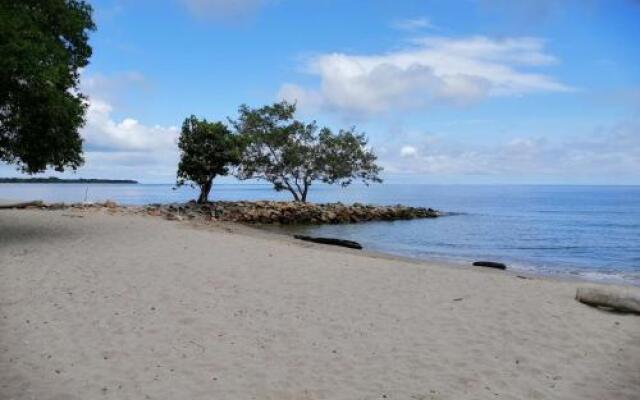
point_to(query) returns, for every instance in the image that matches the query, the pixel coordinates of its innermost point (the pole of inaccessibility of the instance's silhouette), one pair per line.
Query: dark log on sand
(613, 298)
(37, 203)
(490, 264)
(331, 241)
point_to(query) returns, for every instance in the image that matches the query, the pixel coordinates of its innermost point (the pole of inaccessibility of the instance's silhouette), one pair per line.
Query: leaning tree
(43, 45)
(292, 154)
(207, 150)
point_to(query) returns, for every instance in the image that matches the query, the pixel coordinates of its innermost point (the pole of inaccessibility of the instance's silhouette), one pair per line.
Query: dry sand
(94, 306)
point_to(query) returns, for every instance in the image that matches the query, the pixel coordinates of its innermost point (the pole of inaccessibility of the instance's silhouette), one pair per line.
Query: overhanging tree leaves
(43, 43)
(292, 154)
(207, 150)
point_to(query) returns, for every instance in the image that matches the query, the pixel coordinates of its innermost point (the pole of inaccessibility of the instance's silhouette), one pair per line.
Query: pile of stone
(272, 212)
(256, 212)
(40, 205)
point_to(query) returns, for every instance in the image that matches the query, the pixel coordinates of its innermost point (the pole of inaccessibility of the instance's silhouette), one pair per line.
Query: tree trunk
(305, 191)
(296, 197)
(295, 194)
(204, 191)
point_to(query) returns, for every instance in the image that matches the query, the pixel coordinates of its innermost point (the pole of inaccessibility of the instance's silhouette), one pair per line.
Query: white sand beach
(97, 306)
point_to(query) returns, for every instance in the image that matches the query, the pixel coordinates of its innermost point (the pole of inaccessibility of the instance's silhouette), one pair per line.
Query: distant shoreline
(58, 180)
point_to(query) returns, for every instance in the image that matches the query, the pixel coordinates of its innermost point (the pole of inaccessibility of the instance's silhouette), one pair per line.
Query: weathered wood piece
(330, 241)
(617, 299)
(490, 264)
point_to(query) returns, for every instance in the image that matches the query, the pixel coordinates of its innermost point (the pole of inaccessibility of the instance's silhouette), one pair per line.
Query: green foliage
(43, 43)
(292, 154)
(207, 150)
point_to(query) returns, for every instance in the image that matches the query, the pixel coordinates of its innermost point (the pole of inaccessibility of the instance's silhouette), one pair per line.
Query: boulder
(612, 298)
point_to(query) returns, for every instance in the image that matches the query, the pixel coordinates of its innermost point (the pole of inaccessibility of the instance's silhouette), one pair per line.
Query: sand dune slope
(129, 307)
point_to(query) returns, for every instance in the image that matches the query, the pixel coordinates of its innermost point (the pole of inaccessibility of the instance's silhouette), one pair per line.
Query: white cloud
(145, 166)
(104, 133)
(408, 151)
(413, 24)
(454, 71)
(119, 147)
(612, 151)
(219, 9)
(306, 99)
(124, 147)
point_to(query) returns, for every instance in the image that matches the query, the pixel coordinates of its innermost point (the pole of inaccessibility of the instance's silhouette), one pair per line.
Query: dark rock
(27, 205)
(490, 264)
(173, 217)
(330, 241)
(57, 206)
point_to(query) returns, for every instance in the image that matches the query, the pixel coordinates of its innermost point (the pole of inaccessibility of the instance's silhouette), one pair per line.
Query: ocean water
(591, 232)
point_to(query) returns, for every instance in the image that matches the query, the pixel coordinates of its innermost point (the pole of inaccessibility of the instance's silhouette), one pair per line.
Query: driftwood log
(22, 205)
(614, 299)
(490, 264)
(331, 241)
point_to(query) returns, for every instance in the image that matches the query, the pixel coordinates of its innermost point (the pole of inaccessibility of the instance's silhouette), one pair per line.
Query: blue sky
(462, 91)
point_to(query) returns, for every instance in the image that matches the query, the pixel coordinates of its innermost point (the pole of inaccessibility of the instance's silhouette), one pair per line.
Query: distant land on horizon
(52, 179)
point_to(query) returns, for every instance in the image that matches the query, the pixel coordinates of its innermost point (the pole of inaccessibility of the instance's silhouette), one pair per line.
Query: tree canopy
(207, 150)
(43, 44)
(292, 154)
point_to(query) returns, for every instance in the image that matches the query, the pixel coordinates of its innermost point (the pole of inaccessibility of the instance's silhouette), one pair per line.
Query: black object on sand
(490, 264)
(331, 241)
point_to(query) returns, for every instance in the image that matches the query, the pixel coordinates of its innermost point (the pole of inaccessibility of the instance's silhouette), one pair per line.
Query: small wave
(544, 248)
(617, 277)
(583, 212)
(452, 245)
(452, 213)
(611, 277)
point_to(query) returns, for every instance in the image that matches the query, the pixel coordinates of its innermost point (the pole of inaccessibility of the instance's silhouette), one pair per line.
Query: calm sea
(587, 231)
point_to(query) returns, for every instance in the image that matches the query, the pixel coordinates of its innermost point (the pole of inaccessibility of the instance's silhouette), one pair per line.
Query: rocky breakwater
(272, 212)
(251, 212)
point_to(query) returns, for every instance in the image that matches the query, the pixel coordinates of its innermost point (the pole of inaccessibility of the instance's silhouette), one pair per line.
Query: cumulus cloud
(120, 146)
(103, 132)
(124, 147)
(611, 151)
(220, 9)
(455, 71)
